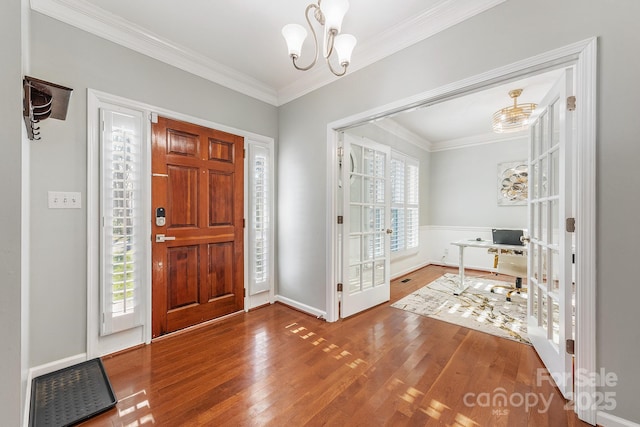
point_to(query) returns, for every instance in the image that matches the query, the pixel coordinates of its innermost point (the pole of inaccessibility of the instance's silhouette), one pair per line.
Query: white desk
(486, 244)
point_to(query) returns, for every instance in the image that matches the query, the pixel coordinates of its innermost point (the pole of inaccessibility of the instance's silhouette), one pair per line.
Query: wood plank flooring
(278, 367)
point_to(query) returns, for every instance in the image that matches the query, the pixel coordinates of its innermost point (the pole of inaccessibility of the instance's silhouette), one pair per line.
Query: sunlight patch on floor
(134, 410)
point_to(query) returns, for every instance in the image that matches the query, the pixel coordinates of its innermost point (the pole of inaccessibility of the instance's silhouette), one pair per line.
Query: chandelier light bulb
(344, 44)
(334, 11)
(294, 35)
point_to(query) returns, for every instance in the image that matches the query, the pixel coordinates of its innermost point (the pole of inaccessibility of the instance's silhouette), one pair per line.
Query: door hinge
(153, 117)
(571, 103)
(340, 219)
(571, 225)
(245, 292)
(244, 153)
(339, 287)
(571, 346)
(340, 152)
(244, 223)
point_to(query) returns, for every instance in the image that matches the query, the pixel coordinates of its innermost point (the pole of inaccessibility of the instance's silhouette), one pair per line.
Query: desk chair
(512, 265)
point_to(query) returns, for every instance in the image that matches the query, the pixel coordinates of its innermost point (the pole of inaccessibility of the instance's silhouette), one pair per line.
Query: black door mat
(71, 395)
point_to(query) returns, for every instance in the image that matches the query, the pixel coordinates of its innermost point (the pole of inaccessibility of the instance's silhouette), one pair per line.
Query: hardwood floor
(276, 366)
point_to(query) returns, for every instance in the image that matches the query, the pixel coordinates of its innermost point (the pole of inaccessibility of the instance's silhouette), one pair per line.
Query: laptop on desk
(507, 237)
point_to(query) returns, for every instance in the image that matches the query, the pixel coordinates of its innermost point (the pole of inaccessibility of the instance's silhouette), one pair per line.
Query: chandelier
(329, 15)
(513, 118)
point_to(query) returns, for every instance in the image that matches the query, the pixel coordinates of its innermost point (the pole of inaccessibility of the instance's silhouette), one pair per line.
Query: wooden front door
(198, 254)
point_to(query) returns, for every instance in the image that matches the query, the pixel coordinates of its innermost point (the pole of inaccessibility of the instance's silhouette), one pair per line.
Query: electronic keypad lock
(160, 217)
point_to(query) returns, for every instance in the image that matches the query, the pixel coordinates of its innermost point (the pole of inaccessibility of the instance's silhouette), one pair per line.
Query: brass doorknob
(389, 231)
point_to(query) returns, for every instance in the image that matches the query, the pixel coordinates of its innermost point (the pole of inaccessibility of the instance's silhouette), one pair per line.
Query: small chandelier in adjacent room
(513, 118)
(329, 15)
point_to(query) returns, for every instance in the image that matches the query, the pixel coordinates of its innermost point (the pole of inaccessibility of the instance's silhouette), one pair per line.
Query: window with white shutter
(260, 242)
(405, 181)
(122, 216)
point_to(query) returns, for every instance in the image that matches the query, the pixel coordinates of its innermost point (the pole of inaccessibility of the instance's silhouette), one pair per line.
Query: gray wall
(463, 186)
(10, 214)
(465, 50)
(70, 57)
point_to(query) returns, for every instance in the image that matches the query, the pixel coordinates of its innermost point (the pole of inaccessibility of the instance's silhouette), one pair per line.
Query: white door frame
(582, 54)
(99, 346)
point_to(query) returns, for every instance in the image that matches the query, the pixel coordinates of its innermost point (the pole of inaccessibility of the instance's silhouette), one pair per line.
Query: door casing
(582, 55)
(99, 346)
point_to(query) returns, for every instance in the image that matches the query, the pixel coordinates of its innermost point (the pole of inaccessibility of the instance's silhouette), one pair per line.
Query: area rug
(476, 308)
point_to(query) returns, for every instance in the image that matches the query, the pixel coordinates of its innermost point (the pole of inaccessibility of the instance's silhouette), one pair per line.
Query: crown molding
(97, 21)
(102, 23)
(444, 15)
(475, 140)
(395, 128)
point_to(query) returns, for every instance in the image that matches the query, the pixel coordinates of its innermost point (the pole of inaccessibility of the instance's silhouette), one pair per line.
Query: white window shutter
(122, 215)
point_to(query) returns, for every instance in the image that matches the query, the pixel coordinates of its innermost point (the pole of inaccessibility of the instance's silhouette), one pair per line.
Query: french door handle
(389, 231)
(160, 238)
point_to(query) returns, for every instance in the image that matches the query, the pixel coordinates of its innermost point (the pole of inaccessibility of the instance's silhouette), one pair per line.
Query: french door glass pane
(555, 173)
(367, 275)
(354, 279)
(356, 188)
(379, 273)
(355, 255)
(369, 162)
(554, 271)
(544, 132)
(544, 177)
(555, 322)
(555, 125)
(535, 217)
(535, 141)
(355, 219)
(544, 272)
(554, 220)
(368, 223)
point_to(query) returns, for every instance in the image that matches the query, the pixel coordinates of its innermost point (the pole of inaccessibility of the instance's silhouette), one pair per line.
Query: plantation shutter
(260, 220)
(405, 185)
(122, 216)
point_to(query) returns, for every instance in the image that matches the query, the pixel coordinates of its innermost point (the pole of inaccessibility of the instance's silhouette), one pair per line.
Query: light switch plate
(65, 200)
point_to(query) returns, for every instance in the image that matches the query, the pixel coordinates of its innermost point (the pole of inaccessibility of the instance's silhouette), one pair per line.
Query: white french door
(366, 233)
(550, 307)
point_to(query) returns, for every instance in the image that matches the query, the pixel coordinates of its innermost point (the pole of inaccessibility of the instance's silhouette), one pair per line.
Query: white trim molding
(95, 20)
(608, 420)
(582, 55)
(444, 15)
(301, 307)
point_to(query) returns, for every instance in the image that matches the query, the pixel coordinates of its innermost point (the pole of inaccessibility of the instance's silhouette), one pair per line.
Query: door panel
(366, 207)
(182, 196)
(550, 308)
(198, 179)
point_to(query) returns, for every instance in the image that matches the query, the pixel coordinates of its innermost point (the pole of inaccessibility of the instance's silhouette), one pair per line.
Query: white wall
(463, 186)
(464, 199)
(70, 57)
(11, 386)
(462, 51)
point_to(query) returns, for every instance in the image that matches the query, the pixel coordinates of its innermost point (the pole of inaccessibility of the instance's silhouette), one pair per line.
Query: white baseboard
(410, 269)
(302, 307)
(36, 371)
(607, 420)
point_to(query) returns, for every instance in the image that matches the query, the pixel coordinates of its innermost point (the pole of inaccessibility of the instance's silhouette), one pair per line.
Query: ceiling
(238, 44)
(466, 120)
